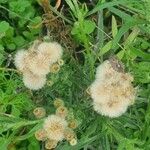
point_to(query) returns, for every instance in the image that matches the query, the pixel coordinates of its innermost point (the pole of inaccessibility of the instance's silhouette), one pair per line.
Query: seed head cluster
(36, 62)
(56, 127)
(112, 91)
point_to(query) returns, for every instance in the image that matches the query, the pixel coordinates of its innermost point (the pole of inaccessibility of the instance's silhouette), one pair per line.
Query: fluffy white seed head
(38, 63)
(55, 127)
(112, 91)
(52, 50)
(98, 91)
(33, 81)
(20, 60)
(111, 109)
(104, 70)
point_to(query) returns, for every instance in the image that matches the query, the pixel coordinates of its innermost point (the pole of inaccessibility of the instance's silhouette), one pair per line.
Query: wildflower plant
(37, 62)
(60, 86)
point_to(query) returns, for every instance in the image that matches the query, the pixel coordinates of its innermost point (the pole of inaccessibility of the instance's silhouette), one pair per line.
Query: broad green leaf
(4, 26)
(36, 25)
(19, 41)
(89, 26)
(11, 46)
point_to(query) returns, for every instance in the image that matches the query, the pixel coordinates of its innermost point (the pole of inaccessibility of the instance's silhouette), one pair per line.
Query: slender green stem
(100, 34)
(10, 69)
(60, 15)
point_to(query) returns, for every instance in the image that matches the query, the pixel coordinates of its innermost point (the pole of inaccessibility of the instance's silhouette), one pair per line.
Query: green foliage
(116, 27)
(23, 26)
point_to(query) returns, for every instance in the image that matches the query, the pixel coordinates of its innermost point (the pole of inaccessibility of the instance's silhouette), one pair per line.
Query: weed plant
(90, 32)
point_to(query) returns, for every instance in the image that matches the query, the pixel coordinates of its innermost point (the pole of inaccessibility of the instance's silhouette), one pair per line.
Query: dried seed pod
(73, 142)
(54, 68)
(39, 112)
(69, 134)
(58, 102)
(49, 82)
(60, 62)
(73, 124)
(40, 135)
(116, 64)
(50, 144)
(62, 111)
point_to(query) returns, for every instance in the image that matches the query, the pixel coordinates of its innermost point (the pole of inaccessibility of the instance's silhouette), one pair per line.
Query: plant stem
(9, 69)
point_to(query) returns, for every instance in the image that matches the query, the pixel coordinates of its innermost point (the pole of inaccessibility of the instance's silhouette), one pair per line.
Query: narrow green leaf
(121, 14)
(140, 53)
(114, 27)
(131, 37)
(122, 31)
(121, 54)
(106, 48)
(101, 6)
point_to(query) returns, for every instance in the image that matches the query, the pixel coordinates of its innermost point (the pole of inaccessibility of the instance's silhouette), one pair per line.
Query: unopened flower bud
(73, 142)
(58, 102)
(40, 135)
(54, 68)
(62, 111)
(73, 124)
(39, 112)
(50, 82)
(69, 134)
(60, 62)
(50, 144)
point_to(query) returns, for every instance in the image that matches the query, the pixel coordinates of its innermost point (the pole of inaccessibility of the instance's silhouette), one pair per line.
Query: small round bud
(73, 124)
(40, 135)
(39, 112)
(88, 91)
(49, 83)
(73, 142)
(62, 111)
(60, 62)
(54, 68)
(50, 144)
(69, 134)
(58, 102)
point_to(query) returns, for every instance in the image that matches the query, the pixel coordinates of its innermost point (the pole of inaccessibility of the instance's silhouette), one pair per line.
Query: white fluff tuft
(33, 81)
(55, 127)
(52, 50)
(112, 91)
(20, 60)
